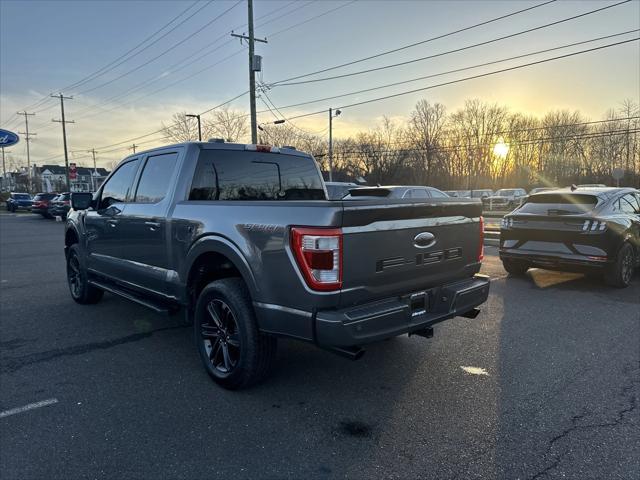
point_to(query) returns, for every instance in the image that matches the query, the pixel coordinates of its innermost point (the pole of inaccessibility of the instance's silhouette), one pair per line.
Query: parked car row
(49, 205)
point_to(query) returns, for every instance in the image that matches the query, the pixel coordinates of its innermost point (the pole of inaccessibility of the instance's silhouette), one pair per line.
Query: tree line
(480, 145)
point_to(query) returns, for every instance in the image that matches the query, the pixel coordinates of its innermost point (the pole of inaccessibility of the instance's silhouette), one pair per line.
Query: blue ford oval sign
(8, 138)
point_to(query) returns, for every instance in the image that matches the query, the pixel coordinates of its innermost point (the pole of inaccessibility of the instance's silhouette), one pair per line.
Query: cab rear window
(243, 175)
(559, 204)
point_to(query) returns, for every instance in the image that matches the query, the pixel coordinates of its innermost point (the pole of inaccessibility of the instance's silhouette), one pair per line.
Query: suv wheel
(620, 273)
(81, 291)
(515, 267)
(232, 349)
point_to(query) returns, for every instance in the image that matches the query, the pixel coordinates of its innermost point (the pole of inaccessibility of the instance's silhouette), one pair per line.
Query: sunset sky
(49, 45)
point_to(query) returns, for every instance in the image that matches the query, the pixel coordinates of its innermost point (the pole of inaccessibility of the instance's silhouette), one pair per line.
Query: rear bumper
(551, 261)
(399, 315)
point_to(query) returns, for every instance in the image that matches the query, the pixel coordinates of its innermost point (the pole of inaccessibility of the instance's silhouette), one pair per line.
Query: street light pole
(337, 112)
(191, 115)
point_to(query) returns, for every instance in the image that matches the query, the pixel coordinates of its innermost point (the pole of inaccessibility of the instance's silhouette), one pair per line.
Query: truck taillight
(481, 247)
(318, 252)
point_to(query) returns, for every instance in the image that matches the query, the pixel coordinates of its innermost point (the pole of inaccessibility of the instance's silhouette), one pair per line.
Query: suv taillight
(481, 247)
(318, 252)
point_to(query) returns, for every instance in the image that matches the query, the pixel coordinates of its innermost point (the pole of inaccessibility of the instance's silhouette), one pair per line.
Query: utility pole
(4, 170)
(191, 115)
(27, 138)
(255, 65)
(337, 112)
(95, 170)
(64, 135)
(133, 147)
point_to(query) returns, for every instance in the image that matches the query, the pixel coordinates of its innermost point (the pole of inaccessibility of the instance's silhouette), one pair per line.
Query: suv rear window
(45, 196)
(559, 204)
(242, 175)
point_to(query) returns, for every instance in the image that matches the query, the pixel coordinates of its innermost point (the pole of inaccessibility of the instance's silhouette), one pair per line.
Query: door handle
(153, 226)
(112, 223)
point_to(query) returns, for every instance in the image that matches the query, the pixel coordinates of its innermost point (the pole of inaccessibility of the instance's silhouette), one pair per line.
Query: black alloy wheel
(220, 337)
(79, 287)
(233, 350)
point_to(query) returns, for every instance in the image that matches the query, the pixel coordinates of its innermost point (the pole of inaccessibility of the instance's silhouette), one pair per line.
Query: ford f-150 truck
(243, 240)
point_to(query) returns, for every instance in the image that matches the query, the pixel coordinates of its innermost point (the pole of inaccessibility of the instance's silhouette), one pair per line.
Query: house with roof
(53, 178)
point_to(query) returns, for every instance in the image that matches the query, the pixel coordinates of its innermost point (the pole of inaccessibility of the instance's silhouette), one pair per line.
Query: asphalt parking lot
(544, 383)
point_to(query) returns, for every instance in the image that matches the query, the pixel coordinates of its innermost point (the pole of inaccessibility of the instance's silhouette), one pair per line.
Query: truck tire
(81, 291)
(515, 267)
(620, 273)
(234, 352)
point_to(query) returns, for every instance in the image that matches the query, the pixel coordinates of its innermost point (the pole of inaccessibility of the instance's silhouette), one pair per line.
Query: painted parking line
(475, 370)
(30, 406)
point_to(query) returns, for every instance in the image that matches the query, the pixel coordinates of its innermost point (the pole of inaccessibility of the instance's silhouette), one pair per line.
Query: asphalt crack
(11, 365)
(630, 399)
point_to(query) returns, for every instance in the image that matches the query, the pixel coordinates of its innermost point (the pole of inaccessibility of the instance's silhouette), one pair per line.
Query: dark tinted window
(628, 204)
(118, 186)
(20, 196)
(559, 204)
(45, 196)
(155, 178)
(241, 175)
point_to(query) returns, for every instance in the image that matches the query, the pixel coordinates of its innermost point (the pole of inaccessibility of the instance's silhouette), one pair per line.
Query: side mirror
(81, 200)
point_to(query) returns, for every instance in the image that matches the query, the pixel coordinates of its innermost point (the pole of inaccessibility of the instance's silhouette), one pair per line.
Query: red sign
(73, 173)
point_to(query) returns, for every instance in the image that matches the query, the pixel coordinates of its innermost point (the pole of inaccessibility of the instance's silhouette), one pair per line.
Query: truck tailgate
(398, 247)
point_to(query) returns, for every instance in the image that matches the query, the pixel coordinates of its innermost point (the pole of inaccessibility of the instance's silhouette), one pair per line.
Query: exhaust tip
(471, 313)
(353, 353)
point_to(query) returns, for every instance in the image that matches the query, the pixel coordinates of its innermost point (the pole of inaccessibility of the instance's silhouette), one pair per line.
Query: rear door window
(559, 204)
(435, 193)
(419, 193)
(242, 175)
(156, 178)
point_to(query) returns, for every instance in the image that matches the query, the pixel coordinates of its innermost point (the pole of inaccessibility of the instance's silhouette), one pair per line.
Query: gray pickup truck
(243, 240)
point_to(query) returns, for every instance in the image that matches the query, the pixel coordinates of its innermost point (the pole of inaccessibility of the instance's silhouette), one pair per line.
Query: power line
(146, 83)
(172, 47)
(323, 111)
(445, 148)
(387, 52)
(456, 70)
(121, 59)
(407, 62)
(464, 79)
(47, 98)
(315, 17)
(184, 63)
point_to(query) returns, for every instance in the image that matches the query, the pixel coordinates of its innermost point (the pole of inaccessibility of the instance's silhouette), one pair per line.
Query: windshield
(505, 193)
(21, 196)
(559, 204)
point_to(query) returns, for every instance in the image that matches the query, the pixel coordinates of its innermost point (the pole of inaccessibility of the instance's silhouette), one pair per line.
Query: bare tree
(425, 132)
(181, 128)
(231, 125)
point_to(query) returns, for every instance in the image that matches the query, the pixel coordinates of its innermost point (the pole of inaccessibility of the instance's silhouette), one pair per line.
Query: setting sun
(501, 149)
